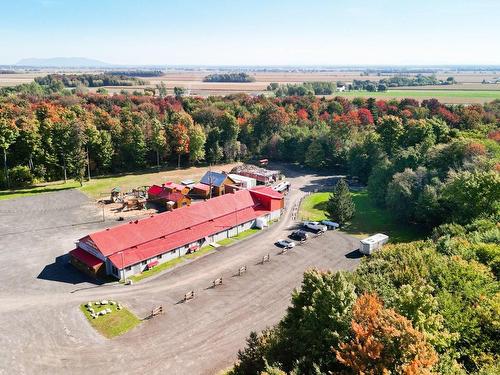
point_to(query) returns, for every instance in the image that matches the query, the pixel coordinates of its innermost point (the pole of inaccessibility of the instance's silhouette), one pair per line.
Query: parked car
(300, 235)
(285, 243)
(314, 226)
(330, 224)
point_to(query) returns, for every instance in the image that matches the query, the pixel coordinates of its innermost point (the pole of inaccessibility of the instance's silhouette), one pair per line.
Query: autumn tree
(8, 134)
(197, 139)
(384, 342)
(391, 130)
(158, 139)
(317, 320)
(180, 141)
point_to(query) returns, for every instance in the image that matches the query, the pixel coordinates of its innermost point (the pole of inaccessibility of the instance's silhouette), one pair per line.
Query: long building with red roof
(130, 248)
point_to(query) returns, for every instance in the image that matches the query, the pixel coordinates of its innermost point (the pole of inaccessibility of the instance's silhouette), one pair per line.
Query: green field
(368, 219)
(114, 324)
(444, 95)
(45, 188)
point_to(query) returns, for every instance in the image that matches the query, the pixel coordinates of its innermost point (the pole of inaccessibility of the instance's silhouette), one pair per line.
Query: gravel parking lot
(42, 330)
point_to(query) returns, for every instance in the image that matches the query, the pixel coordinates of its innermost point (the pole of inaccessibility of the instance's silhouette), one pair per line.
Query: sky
(253, 32)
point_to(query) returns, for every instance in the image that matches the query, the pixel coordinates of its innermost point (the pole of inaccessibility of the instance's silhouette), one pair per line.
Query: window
(114, 270)
(143, 262)
(128, 268)
(159, 256)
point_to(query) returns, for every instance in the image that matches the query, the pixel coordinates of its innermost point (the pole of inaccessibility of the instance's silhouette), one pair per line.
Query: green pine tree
(340, 207)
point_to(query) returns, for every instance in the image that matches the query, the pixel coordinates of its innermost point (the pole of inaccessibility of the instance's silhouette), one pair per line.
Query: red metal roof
(173, 185)
(146, 238)
(155, 190)
(86, 257)
(159, 192)
(200, 186)
(267, 191)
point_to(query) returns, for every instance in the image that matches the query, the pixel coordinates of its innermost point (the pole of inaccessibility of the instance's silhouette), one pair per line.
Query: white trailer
(372, 243)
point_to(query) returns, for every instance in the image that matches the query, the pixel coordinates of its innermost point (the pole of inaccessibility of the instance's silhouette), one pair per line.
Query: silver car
(287, 244)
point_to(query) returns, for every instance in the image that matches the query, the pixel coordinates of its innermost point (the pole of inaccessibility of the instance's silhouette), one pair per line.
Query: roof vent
(136, 221)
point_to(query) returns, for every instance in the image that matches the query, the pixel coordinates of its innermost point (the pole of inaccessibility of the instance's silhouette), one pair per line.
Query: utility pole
(210, 179)
(123, 268)
(6, 170)
(88, 163)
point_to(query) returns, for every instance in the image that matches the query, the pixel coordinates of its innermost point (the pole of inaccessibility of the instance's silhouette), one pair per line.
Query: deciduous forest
(415, 308)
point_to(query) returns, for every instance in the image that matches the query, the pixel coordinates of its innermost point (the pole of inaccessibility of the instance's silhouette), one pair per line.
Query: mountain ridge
(62, 62)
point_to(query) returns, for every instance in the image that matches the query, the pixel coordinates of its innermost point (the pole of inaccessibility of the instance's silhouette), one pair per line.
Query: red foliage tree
(302, 114)
(449, 117)
(365, 116)
(180, 141)
(494, 135)
(384, 342)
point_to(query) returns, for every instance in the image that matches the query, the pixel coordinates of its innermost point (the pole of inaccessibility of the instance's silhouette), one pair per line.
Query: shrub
(20, 176)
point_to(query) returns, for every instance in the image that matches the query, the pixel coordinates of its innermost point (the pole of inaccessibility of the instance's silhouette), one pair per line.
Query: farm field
(367, 220)
(445, 96)
(469, 88)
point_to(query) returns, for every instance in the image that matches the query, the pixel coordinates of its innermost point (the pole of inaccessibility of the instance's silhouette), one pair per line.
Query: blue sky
(253, 32)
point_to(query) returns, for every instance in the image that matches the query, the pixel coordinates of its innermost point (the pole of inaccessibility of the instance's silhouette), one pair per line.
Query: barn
(261, 175)
(131, 248)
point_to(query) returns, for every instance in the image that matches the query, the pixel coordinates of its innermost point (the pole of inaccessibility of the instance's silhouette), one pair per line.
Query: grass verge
(156, 269)
(111, 325)
(367, 220)
(10, 194)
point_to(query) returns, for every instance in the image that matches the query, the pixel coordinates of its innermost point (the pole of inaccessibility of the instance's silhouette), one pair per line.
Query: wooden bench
(242, 270)
(189, 295)
(217, 282)
(266, 258)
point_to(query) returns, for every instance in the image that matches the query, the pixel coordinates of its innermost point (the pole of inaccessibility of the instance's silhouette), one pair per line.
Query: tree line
(229, 77)
(88, 80)
(303, 89)
(426, 162)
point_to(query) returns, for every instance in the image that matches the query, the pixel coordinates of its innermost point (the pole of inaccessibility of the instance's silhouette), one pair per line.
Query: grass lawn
(246, 233)
(226, 241)
(45, 188)
(156, 269)
(100, 186)
(114, 324)
(368, 219)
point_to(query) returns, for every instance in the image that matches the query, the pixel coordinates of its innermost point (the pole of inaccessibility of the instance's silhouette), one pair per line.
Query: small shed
(200, 190)
(373, 243)
(218, 181)
(162, 195)
(173, 187)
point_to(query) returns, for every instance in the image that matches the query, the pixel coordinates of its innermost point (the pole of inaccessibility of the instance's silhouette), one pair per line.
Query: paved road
(42, 330)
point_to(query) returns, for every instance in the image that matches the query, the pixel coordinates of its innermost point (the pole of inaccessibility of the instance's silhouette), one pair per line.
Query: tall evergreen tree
(340, 206)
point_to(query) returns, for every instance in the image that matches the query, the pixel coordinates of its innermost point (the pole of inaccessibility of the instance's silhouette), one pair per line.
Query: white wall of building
(180, 251)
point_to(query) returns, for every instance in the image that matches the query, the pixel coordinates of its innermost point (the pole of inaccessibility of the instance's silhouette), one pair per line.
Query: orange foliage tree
(384, 342)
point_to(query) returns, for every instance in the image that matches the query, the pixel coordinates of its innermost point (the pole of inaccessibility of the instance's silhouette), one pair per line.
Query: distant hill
(63, 62)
